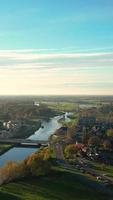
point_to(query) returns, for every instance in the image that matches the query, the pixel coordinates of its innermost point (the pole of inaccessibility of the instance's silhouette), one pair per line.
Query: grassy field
(60, 186)
(62, 106)
(73, 120)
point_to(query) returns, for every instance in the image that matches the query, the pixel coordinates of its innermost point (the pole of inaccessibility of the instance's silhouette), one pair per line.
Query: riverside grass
(58, 186)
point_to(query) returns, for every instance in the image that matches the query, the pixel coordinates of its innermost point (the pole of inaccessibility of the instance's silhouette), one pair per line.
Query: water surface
(16, 154)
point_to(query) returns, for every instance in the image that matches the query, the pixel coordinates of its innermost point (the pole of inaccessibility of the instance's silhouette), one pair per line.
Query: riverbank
(4, 148)
(47, 128)
(27, 129)
(16, 154)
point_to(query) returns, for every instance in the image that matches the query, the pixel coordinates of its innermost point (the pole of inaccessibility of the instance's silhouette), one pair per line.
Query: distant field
(63, 186)
(62, 106)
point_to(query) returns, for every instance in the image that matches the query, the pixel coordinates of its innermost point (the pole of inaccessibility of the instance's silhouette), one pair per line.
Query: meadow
(59, 186)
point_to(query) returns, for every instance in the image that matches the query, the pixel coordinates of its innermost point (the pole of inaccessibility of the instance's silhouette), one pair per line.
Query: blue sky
(56, 47)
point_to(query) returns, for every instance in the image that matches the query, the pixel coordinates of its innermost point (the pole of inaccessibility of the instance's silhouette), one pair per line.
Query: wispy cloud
(30, 55)
(30, 59)
(29, 71)
(60, 50)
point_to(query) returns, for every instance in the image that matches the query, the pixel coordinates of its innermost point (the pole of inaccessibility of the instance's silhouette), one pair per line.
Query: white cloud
(51, 73)
(29, 55)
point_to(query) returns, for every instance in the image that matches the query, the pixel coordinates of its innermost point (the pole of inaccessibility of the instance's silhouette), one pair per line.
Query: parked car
(99, 178)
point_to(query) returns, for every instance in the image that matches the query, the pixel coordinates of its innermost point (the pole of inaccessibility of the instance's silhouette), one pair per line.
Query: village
(87, 143)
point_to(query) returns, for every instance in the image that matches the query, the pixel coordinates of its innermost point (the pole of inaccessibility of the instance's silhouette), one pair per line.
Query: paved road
(93, 172)
(58, 151)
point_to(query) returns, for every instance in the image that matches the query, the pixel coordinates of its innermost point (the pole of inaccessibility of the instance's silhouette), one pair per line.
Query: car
(82, 170)
(99, 178)
(77, 166)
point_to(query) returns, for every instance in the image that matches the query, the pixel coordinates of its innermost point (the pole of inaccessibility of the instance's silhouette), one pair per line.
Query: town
(82, 141)
(87, 142)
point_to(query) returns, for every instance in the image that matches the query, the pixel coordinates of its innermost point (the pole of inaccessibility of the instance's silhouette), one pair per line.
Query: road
(89, 170)
(58, 151)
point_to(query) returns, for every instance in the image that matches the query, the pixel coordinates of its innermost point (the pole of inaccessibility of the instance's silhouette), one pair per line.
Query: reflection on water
(47, 129)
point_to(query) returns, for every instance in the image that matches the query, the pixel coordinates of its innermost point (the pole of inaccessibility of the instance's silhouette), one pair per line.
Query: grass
(59, 186)
(62, 106)
(4, 148)
(73, 120)
(106, 169)
(5, 196)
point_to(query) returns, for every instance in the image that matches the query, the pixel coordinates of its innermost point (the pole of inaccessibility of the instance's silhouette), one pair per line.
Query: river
(43, 133)
(46, 129)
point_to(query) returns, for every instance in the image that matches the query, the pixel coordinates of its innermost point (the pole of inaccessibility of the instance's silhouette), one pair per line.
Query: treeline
(27, 128)
(101, 113)
(35, 165)
(15, 111)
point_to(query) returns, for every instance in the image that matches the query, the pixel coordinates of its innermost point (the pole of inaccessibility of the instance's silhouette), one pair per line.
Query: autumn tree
(110, 132)
(38, 163)
(71, 150)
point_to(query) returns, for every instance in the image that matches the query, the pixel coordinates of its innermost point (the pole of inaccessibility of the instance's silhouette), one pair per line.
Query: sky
(62, 47)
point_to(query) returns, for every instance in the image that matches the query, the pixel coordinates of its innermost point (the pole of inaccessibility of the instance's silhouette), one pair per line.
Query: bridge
(25, 142)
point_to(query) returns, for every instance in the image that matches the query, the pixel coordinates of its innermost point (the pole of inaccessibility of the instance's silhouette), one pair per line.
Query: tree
(71, 150)
(11, 171)
(94, 140)
(85, 138)
(107, 144)
(38, 163)
(1, 125)
(110, 132)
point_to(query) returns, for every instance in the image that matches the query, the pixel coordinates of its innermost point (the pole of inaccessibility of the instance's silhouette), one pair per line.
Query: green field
(62, 106)
(59, 186)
